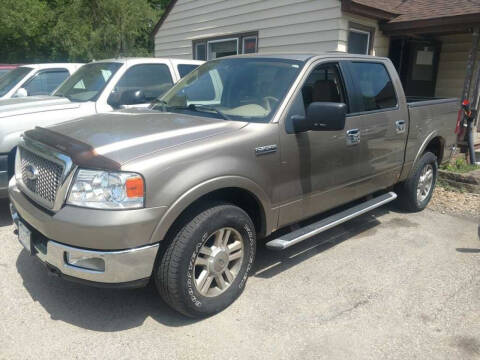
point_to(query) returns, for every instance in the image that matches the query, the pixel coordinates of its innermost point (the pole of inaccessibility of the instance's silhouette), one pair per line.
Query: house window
(360, 39)
(221, 48)
(214, 48)
(249, 44)
(201, 51)
(358, 42)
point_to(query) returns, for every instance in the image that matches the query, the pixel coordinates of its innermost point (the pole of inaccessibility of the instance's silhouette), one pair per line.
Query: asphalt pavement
(387, 285)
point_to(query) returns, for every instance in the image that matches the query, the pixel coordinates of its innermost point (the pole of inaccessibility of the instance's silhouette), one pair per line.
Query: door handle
(353, 137)
(400, 126)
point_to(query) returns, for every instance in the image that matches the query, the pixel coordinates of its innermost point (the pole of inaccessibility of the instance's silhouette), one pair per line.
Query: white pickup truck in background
(97, 87)
(34, 79)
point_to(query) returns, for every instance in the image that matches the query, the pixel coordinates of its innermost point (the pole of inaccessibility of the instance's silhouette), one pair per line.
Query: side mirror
(127, 97)
(321, 116)
(22, 92)
(132, 97)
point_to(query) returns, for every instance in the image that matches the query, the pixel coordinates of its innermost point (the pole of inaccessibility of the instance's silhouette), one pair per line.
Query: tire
(185, 263)
(408, 197)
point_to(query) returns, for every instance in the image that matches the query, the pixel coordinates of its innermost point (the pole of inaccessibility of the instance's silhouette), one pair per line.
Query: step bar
(294, 237)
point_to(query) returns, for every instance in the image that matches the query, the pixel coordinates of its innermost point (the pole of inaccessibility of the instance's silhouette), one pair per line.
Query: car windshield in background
(87, 83)
(245, 89)
(9, 80)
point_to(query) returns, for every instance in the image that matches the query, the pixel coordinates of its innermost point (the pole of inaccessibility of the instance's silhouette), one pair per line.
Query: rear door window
(44, 82)
(153, 79)
(375, 90)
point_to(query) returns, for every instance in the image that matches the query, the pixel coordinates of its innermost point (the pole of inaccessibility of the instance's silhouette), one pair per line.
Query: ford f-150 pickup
(180, 192)
(97, 87)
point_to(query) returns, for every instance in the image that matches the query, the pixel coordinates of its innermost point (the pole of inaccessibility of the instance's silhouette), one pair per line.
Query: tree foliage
(76, 30)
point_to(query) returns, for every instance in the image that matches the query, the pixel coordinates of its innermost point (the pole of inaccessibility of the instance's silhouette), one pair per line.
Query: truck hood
(112, 139)
(34, 104)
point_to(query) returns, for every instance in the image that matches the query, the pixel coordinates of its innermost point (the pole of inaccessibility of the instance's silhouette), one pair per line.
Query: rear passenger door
(381, 121)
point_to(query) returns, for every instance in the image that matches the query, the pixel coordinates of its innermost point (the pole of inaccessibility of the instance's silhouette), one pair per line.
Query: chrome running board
(294, 237)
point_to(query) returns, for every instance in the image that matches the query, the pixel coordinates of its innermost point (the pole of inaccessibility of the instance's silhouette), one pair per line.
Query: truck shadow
(97, 309)
(109, 310)
(5, 217)
(270, 263)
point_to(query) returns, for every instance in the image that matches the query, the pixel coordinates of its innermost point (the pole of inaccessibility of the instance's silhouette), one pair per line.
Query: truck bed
(429, 118)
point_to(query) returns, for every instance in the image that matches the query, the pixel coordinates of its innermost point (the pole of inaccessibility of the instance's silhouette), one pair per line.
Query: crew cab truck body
(98, 87)
(180, 192)
(35, 79)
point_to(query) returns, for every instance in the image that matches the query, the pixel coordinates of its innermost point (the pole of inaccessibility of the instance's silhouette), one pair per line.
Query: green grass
(460, 165)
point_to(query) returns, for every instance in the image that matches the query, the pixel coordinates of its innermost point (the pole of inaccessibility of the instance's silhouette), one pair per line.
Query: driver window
(324, 84)
(45, 82)
(153, 79)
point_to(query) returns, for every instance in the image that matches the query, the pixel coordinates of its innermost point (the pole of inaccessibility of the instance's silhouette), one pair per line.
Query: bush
(459, 165)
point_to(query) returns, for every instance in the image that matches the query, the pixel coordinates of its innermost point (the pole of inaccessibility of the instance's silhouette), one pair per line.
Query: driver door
(140, 85)
(319, 168)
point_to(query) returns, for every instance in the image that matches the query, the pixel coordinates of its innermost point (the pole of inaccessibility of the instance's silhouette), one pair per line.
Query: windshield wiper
(200, 107)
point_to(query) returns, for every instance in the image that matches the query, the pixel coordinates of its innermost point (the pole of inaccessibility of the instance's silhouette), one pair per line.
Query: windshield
(12, 78)
(4, 71)
(87, 83)
(245, 89)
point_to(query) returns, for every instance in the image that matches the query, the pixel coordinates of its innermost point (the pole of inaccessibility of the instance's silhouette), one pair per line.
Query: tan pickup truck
(181, 192)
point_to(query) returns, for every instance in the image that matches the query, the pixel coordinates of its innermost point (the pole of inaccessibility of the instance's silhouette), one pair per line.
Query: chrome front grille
(41, 176)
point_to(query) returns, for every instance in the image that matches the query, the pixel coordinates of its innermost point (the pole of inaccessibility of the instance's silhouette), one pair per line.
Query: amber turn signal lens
(134, 187)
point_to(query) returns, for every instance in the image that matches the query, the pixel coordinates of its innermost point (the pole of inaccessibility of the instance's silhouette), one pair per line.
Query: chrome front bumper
(101, 267)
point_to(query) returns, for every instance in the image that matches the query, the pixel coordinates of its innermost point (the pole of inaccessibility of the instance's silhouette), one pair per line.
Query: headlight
(107, 190)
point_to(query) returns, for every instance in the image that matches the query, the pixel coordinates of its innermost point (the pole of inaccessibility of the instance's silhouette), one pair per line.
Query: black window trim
(352, 87)
(238, 36)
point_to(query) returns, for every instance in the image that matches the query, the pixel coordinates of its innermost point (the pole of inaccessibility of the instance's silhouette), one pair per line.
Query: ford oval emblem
(31, 172)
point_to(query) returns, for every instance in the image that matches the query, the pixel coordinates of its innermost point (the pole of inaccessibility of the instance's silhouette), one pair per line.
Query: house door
(417, 64)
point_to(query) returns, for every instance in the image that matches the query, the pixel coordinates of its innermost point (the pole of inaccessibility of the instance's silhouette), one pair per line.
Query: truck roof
(53, 65)
(307, 56)
(138, 60)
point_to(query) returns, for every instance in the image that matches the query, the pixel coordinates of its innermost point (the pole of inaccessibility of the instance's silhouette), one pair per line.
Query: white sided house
(431, 42)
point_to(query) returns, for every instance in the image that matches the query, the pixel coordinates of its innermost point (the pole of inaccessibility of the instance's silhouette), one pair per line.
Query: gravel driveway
(387, 285)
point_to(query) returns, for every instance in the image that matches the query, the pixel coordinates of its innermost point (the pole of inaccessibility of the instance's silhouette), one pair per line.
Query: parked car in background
(4, 68)
(34, 79)
(239, 148)
(96, 87)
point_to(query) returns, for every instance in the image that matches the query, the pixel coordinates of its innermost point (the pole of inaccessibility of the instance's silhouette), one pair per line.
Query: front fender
(206, 187)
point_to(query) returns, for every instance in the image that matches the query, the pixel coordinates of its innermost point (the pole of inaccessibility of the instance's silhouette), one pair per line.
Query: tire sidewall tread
(173, 275)
(408, 190)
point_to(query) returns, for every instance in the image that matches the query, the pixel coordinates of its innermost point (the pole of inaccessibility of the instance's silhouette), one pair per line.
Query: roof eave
(440, 25)
(367, 11)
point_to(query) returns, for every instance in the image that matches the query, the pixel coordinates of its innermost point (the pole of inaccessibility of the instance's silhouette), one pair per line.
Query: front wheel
(205, 267)
(415, 193)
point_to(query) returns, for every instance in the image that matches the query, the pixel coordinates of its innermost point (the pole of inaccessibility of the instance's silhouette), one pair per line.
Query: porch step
(285, 241)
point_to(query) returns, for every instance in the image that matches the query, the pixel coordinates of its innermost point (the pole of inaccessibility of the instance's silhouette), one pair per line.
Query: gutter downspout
(470, 116)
